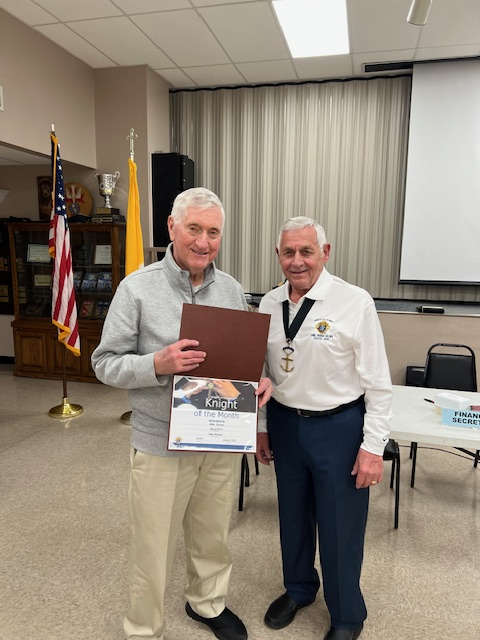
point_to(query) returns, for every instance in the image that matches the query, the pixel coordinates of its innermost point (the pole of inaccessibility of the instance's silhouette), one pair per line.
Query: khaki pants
(165, 492)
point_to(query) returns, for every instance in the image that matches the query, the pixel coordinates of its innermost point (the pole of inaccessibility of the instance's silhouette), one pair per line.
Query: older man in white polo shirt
(328, 423)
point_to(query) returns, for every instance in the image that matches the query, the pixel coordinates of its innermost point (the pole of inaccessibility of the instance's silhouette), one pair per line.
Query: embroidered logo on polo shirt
(322, 326)
(323, 329)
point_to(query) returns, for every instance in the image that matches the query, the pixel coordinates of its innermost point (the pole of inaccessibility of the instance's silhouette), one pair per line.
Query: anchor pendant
(288, 361)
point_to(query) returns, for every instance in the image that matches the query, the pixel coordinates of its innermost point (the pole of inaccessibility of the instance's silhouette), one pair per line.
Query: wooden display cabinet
(98, 261)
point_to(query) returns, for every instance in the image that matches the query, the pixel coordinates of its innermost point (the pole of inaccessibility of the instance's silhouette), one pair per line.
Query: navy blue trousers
(316, 491)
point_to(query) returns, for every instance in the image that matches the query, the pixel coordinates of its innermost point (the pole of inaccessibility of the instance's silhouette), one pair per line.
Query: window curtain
(333, 151)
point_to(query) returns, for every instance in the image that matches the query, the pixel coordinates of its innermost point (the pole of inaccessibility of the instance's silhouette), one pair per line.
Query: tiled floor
(64, 539)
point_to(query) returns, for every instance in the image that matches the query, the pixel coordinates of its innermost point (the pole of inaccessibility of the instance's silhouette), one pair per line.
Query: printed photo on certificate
(212, 414)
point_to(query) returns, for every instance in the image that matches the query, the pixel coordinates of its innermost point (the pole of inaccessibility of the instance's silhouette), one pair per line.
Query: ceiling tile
(131, 7)
(325, 67)
(449, 24)
(120, 40)
(183, 36)
(73, 10)
(176, 78)
(27, 12)
(272, 71)
(227, 39)
(247, 32)
(220, 74)
(380, 26)
(74, 44)
(359, 59)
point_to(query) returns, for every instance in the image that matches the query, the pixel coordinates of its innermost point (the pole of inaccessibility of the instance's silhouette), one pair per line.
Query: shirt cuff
(262, 425)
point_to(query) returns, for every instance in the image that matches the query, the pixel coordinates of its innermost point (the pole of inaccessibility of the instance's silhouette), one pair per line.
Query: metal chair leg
(392, 474)
(247, 470)
(243, 467)
(414, 463)
(245, 478)
(397, 492)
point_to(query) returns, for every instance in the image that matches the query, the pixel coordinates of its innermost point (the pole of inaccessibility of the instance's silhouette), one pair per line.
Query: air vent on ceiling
(387, 66)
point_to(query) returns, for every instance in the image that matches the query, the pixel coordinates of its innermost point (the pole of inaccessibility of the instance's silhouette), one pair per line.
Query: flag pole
(64, 310)
(133, 235)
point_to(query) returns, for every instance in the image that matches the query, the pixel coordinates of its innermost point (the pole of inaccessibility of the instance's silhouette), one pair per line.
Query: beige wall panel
(21, 181)
(126, 98)
(93, 112)
(158, 123)
(44, 85)
(408, 337)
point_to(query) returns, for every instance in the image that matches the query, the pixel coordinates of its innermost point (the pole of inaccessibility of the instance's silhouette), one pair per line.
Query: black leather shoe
(226, 626)
(343, 634)
(282, 611)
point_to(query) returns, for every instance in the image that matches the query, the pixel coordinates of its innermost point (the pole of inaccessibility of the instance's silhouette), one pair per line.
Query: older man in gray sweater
(140, 351)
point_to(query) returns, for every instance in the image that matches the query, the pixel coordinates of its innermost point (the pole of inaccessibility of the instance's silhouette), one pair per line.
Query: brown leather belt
(306, 413)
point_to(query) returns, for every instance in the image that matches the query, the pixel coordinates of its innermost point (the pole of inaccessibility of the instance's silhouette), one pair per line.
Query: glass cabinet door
(33, 267)
(98, 265)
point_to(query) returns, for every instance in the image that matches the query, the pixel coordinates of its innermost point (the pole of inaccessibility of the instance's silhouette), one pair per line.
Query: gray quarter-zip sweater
(144, 317)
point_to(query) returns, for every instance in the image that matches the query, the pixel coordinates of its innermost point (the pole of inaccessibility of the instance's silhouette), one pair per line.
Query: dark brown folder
(235, 341)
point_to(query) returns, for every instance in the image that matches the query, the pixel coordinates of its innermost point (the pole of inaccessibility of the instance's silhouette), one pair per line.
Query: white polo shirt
(339, 355)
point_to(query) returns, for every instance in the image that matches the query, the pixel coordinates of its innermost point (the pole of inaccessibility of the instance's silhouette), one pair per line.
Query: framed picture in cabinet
(44, 187)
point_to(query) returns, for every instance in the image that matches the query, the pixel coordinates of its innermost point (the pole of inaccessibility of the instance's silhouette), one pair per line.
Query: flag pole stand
(65, 410)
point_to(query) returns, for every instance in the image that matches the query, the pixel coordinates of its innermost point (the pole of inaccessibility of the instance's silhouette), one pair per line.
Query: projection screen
(441, 232)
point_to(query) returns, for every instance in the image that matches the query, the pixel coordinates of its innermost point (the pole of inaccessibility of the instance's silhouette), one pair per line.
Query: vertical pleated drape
(334, 151)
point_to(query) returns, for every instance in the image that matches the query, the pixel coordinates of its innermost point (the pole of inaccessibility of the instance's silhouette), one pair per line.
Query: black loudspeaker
(172, 173)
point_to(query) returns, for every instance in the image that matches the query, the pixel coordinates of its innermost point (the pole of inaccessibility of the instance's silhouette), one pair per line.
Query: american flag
(64, 308)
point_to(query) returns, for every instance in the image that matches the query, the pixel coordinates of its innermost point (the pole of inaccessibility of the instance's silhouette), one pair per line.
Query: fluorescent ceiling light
(314, 27)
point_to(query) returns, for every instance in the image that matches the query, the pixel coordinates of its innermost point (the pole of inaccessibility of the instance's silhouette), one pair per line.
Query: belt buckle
(303, 413)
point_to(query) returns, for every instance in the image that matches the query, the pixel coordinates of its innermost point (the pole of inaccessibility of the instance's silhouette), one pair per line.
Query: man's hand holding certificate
(216, 410)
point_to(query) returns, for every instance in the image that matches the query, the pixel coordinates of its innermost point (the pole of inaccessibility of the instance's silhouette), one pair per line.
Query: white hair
(198, 197)
(300, 222)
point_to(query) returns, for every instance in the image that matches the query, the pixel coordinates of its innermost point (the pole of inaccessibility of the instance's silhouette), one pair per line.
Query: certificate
(210, 414)
(216, 410)
(38, 253)
(103, 254)
(42, 280)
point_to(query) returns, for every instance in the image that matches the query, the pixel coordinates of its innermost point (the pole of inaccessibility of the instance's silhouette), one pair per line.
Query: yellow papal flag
(134, 240)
